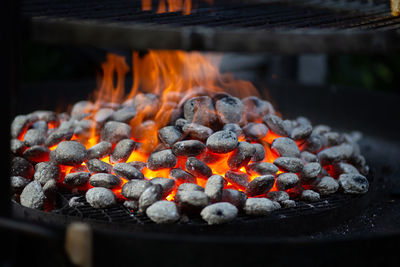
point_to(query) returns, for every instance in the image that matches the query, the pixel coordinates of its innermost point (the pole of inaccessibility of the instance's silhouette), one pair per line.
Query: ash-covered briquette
(122, 151)
(161, 160)
(222, 142)
(310, 172)
(100, 197)
(198, 168)
(260, 206)
(106, 180)
(99, 150)
(208, 133)
(285, 147)
(200, 110)
(287, 180)
(192, 201)
(70, 153)
(309, 196)
(36, 154)
(239, 179)
(241, 155)
(255, 131)
(219, 213)
(22, 167)
(259, 153)
(188, 148)
(214, 188)
(197, 131)
(277, 125)
(167, 184)
(262, 168)
(127, 171)
(134, 188)
(353, 183)
(33, 196)
(114, 131)
(229, 109)
(181, 176)
(149, 196)
(18, 183)
(169, 135)
(98, 166)
(163, 211)
(255, 108)
(289, 164)
(76, 178)
(45, 171)
(260, 185)
(326, 186)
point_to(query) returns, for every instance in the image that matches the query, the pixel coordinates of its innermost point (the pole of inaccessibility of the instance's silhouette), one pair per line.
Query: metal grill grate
(283, 26)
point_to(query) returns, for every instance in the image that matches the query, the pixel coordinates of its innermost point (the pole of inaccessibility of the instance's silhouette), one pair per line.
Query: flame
(185, 6)
(174, 77)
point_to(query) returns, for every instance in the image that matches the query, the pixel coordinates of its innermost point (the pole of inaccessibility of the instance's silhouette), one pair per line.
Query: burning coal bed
(218, 156)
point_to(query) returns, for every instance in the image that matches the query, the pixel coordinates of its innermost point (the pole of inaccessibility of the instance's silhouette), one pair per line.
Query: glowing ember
(182, 123)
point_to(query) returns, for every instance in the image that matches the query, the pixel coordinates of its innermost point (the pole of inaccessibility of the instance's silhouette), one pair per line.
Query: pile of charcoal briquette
(271, 163)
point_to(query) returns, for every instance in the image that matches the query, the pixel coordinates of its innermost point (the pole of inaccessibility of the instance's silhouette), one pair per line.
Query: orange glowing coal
(174, 77)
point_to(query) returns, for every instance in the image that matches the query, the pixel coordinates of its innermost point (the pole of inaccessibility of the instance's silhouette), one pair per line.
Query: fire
(173, 76)
(184, 6)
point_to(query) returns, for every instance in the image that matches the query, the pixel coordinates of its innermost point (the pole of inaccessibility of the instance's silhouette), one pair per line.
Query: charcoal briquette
(161, 159)
(261, 168)
(76, 178)
(285, 147)
(22, 167)
(238, 179)
(69, 153)
(134, 188)
(100, 197)
(105, 180)
(45, 171)
(214, 188)
(198, 168)
(219, 213)
(33, 196)
(197, 131)
(222, 142)
(169, 135)
(287, 180)
(255, 131)
(277, 125)
(229, 109)
(353, 183)
(259, 206)
(260, 185)
(99, 150)
(326, 186)
(127, 171)
(259, 153)
(149, 196)
(114, 131)
(309, 196)
(181, 176)
(289, 164)
(188, 148)
(167, 184)
(241, 155)
(163, 212)
(98, 166)
(122, 150)
(235, 197)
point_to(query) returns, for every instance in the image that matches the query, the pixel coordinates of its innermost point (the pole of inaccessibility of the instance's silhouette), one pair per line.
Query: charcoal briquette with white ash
(214, 158)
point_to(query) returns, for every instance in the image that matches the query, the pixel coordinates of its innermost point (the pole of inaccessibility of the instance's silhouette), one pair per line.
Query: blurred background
(41, 63)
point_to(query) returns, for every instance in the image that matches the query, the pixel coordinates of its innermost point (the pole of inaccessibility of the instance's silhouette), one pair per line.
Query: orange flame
(174, 77)
(172, 6)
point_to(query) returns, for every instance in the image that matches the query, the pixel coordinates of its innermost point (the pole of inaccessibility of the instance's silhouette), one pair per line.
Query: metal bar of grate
(293, 26)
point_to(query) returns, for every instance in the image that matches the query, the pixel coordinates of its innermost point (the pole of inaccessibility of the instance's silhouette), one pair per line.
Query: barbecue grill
(363, 223)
